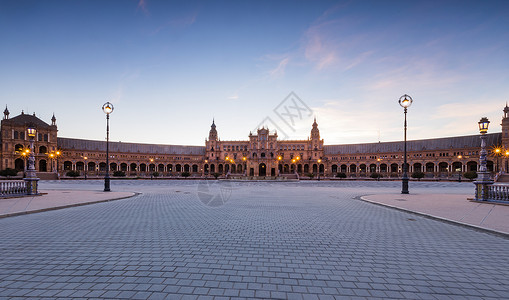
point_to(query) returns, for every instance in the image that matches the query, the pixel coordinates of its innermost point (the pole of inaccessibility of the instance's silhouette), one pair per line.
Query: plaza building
(262, 154)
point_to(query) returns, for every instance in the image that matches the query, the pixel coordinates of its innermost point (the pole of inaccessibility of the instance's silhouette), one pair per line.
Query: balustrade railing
(13, 187)
(498, 192)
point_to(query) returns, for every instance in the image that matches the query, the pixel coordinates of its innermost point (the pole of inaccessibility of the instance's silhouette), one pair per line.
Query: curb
(65, 206)
(445, 220)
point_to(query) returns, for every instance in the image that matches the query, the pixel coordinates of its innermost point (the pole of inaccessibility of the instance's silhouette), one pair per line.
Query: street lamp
(459, 169)
(498, 152)
(86, 166)
(319, 162)
(481, 190)
(107, 109)
(31, 177)
(405, 101)
(506, 154)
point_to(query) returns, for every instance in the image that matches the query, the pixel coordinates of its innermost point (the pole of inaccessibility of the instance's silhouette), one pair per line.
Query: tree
(418, 175)
(119, 174)
(8, 172)
(72, 173)
(341, 175)
(470, 175)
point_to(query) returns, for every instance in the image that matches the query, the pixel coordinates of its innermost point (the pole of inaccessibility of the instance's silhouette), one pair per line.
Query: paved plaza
(267, 240)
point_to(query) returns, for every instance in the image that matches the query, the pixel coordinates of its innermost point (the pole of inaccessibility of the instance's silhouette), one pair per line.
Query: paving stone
(299, 240)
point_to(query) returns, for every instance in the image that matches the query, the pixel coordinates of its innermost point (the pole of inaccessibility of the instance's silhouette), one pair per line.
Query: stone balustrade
(13, 187)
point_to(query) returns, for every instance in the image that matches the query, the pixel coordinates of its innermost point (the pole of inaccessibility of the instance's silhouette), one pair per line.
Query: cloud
(142, 5)
(280, 69)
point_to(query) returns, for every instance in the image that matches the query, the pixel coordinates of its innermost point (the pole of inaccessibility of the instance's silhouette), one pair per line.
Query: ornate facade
(262, 154)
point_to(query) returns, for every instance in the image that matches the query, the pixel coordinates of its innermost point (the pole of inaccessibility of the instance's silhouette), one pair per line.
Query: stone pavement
(265, 240)
(55, 199)
(450, 207)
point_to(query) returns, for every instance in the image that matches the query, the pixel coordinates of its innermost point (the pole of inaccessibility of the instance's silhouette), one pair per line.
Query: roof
(24, 120)
(120, 147)
(458, 142)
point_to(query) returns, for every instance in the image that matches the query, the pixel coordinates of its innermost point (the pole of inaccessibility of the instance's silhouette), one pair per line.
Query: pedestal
(32, 184)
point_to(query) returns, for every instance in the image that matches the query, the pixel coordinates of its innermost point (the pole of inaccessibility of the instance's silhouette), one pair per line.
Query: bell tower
(505, 128)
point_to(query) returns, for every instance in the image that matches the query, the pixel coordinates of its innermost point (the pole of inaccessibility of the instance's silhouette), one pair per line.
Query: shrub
(155, 174)
(418, 175)
(341, 175)
(470, 175)
(72, 173)
(310, 175)
(375, 175)
(185, 174)
(8, 172)
(216, 175)
(119, 174)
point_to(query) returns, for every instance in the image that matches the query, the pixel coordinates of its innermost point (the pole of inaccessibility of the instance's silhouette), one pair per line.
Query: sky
(172, 67)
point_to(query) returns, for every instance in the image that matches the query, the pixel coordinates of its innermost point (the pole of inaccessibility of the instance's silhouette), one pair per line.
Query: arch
(299, 168)
(152, 168)
(212, 168)
(472, 166)
(143, 168)
(490, 166)
(286, 168)
(195, 168)
(132, 167)
(239, 168)
(19, 164)
(169, 168)
(430, 167)
(102, 167)
(321, 168)
(443, 167)
(457, 166)
(394, 168)
(254, 155)
(262, 170)
(43, 149)
(67, 165)
(334, 169)
(362, 168)
(263, 154)
(80, 166)
(226, 168)
(306, 168)
(220, 168)
(45, 137)
(315, 168)
(234, 169)
(18, 148)
(123, 167)
(353, 168)
(383, 168)
(292, 168)
(43, 166)
(417, 167)
(178, 168)
(160, 168)
(372, 168)
(91, 166)
(343, 168)
(113, 167)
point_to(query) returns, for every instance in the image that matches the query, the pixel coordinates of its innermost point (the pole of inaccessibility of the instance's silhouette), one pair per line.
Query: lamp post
(86, 166)
(483, 180)
(405, 101)
(459, 169)
(319, 162)
(506, 154)
(107, 109)
(498, 152)
(31, 177)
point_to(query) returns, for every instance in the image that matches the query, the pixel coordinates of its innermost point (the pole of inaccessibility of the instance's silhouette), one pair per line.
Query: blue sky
(170, 67)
